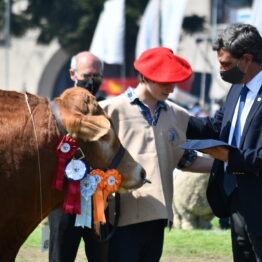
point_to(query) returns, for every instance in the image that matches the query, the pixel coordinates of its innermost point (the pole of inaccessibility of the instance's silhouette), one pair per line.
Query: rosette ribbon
(107, 182)
(75, 171)
(113, 181)
(98, 199)
(87, 188)
(65, 150)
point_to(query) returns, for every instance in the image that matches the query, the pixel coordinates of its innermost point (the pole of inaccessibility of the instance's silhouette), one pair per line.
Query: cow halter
(120, 153)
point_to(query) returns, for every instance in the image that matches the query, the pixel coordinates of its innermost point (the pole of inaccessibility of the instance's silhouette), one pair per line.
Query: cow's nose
(143, 177)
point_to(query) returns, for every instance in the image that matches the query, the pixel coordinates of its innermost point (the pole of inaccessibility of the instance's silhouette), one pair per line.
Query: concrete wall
(31, 67)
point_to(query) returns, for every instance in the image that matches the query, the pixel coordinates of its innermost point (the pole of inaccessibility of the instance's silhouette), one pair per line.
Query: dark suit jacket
(245, 162)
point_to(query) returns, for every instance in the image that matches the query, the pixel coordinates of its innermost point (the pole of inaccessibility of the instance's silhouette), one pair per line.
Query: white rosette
(75, 170)
(87, 188)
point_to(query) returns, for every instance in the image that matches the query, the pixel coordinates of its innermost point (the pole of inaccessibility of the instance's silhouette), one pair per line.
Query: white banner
(148, 35)
(167, 14)
(256, 17)
(172, 14)
(108, 39)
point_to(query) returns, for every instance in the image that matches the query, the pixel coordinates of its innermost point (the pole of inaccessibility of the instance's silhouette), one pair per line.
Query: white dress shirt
(253, 85)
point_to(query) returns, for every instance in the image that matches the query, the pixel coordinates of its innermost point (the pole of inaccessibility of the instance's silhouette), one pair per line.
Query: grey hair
(73, 64)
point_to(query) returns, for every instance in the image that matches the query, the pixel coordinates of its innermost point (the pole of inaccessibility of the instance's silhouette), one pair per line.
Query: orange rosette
(107, 183)
(98, 198)
(112, 182)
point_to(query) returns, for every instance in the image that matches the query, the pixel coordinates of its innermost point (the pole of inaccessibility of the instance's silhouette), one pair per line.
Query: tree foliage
(72, 22)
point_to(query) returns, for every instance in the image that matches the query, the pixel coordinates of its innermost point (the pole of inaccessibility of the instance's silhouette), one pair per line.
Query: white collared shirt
(253, 85)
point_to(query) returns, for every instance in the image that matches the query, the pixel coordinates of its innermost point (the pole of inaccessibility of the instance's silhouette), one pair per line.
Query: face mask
(233, 75)
(91, 84)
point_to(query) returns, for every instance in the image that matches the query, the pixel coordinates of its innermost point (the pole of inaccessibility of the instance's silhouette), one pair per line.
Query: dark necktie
(230, 179)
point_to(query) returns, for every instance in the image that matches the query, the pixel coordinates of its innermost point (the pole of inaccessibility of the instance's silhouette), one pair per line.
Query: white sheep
(191, 209)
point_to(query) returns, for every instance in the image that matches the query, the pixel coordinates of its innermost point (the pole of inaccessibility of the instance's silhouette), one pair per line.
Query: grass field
(180, 246)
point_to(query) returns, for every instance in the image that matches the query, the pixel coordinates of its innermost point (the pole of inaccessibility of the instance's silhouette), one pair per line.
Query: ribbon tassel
(72, 203)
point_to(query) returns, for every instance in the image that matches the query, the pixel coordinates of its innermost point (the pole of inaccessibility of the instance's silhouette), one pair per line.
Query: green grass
(180, 245)
(34, 239)
(205, 243)
(202, 245)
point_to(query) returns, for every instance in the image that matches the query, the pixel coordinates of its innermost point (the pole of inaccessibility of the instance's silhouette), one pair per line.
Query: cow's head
(85, 121)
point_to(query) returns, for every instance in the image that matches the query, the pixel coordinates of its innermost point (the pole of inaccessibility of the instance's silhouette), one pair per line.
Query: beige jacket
(156, 149)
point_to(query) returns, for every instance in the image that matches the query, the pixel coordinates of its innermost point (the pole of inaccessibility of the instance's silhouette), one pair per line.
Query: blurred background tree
(71, 22)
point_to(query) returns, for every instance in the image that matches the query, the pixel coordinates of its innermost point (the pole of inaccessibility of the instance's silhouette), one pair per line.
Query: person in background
(150, 127)
(235, 183)
(196, 109)
(86, 72)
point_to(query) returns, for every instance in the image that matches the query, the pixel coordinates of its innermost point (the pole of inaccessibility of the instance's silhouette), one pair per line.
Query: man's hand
(218, 152)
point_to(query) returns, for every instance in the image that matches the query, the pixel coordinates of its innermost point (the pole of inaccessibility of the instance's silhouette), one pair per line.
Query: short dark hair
(239, 39)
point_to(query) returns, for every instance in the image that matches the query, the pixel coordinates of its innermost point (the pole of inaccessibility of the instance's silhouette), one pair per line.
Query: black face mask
(233, 75)
(91, 84)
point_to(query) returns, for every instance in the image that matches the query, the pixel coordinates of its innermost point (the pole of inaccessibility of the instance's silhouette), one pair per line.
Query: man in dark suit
(235, 185)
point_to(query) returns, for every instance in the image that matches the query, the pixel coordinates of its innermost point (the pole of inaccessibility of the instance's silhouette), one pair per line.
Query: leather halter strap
(56, 114)
(118, 157)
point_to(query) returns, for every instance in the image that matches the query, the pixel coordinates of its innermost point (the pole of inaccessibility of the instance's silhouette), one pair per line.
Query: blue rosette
(88, 187)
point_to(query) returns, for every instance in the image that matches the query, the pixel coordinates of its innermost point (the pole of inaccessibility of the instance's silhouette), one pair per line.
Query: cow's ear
(92, 128)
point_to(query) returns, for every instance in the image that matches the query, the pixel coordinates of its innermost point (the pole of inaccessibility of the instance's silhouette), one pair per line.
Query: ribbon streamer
(65, 150)
(75, 171)
(72, 198)
(98, 199)
(85, 219)
(87, 188)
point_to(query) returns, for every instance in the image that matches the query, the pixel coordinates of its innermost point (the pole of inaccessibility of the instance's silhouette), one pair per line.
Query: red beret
(162, 66)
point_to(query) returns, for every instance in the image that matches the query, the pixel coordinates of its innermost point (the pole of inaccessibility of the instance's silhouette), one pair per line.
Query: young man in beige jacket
(151, 128)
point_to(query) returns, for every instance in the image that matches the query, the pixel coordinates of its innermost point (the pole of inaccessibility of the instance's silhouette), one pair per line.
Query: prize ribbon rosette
(65, 151)
(75, 171)
(107, 183)
(82, 187)
(88, 187)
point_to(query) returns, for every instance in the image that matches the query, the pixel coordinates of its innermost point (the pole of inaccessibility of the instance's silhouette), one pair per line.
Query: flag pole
(213, 37)
(123, 65)
(7, 42)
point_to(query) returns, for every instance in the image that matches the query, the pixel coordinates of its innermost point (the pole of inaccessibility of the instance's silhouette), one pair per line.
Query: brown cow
(28, 137)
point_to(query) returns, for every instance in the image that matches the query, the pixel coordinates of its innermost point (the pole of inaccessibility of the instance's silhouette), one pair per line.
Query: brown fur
(19, 176)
